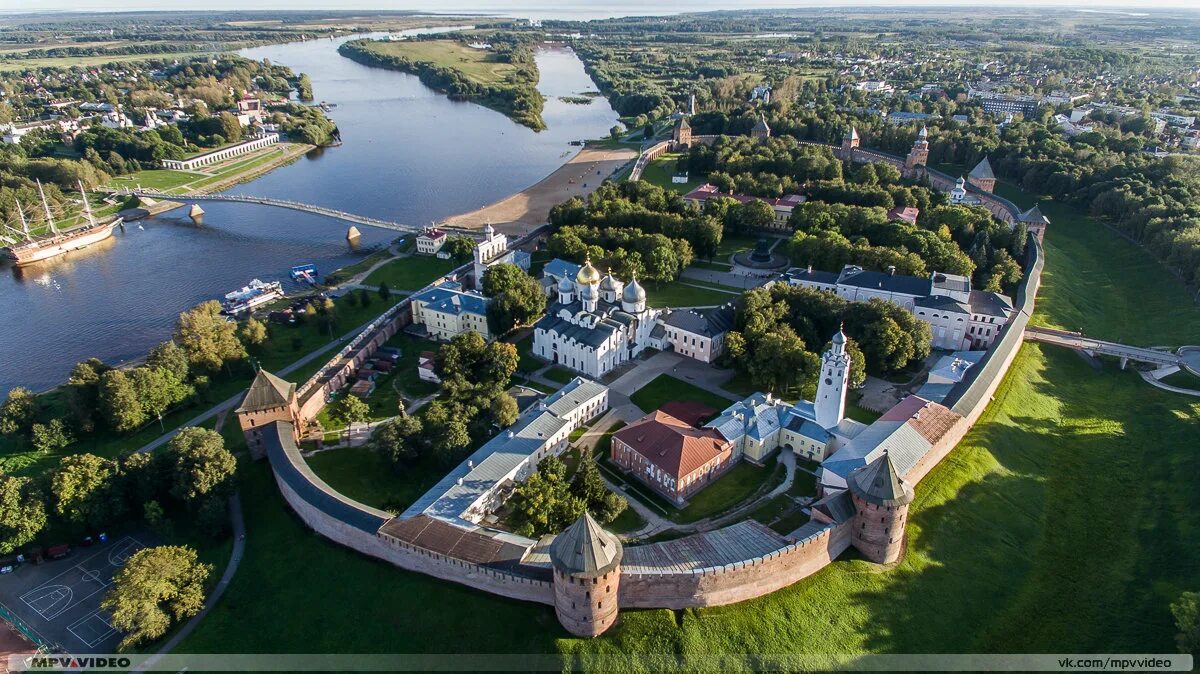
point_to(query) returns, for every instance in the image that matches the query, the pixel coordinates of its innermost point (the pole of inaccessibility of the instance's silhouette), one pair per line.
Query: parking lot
(60, 599)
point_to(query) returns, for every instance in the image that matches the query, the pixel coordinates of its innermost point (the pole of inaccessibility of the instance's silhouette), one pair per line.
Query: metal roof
(291, 468)
(267, 392)
(585, 549)
(982, 170)
(879, 483)
(858, 277)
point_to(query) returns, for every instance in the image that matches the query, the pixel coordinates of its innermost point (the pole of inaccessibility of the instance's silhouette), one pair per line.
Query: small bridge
(295, 206)
(1092, 347)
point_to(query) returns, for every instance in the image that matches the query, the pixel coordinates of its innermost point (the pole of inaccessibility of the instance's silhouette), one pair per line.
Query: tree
(207, 337)
(504, 410)
(399, 440)
(51, 437)
(122, 408)
(1186, 610)
(364, 298)
(16, 414)
(459, 247)
(22, 512)
(83, 393)
(84, 490)
(544, 504)
(753, 215)
(158, 389)
(589, 486)
(517, 297)
(155, 586)
(253, 332)
(171, 357)
(615, 132)
(384, 291)
(199, 464)
(349, 410)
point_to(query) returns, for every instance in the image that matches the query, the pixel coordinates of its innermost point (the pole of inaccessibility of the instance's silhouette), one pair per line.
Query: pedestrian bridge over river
(1185, 358)
(295, 206)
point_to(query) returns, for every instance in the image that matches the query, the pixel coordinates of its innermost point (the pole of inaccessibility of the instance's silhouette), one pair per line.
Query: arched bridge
(1092, 347)
(295, 206)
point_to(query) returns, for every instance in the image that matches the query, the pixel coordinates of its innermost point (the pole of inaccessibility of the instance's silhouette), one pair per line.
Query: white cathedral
(596, 323)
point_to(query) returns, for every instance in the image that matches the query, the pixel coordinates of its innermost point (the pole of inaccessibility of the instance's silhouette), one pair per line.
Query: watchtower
(982, 177)
(850, 141)
(682, 136)
(881, 501)
(269, 399)
(587, 573)
(919, 154)
(761, 131)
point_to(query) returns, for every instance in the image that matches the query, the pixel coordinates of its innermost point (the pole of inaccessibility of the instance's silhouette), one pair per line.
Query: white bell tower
(831, 386)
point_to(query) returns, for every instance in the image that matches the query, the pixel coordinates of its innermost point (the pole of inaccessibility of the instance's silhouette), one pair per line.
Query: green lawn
(659, 172)
(528, 362)
(735, 243)
(560, 374)
(410, 273)
(739, 484)
(665, 388)
(677, 294)
(479, 65)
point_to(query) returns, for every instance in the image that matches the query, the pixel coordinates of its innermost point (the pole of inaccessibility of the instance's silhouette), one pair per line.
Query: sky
(541, 8)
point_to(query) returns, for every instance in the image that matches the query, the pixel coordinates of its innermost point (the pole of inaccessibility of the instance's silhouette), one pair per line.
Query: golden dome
(588, 276)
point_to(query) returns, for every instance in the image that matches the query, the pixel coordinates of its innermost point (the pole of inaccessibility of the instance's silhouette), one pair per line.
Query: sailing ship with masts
(25, 248)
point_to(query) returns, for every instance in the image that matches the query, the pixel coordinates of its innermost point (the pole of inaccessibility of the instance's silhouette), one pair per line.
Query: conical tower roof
(879, 483)
(1034, 215)
(683, 123)
(267, 392)
(853, 135)
(585, 549)
(761, 124)
(983, 170)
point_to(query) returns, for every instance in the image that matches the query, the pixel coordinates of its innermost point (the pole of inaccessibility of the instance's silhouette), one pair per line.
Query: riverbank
(217, 178)
(530, 208)
(502, 77)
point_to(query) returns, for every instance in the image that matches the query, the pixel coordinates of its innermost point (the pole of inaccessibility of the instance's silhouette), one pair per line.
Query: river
(408, 155)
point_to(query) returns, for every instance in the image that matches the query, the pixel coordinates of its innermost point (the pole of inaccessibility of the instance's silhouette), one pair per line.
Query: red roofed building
(907, 214)
(670, 456)
(783, 206)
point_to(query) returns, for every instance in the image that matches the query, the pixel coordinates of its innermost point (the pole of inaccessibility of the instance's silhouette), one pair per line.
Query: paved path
(1153, 381)
(686, 369)
(727, 278)
(237, 397)
(235, 559)
(1075, 340)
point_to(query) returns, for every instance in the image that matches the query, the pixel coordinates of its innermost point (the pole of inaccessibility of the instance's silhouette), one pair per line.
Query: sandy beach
(529, 208)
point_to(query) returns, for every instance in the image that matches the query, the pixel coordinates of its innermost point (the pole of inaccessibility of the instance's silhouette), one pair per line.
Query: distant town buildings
(782, 206)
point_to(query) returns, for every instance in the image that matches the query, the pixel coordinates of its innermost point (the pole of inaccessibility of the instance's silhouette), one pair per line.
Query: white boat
(255, 293)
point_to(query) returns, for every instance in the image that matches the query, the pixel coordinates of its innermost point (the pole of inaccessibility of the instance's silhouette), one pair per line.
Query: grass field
(410, 273)
(680, 294)
(480, 65)
(664, 388)
(182, 182)
(659, 172)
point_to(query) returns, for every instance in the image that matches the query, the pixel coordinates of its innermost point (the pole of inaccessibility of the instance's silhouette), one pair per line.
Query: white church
(760, 424)
(596, 323)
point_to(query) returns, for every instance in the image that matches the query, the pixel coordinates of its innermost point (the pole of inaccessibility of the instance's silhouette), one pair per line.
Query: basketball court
(61, 599)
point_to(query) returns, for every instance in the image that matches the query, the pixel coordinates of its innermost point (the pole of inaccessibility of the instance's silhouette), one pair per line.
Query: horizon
(565, 8)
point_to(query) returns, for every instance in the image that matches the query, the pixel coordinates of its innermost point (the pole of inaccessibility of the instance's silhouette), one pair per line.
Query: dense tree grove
(550, 500)
(517, 97)
(472, 404)
(517, 297)
(778, 330)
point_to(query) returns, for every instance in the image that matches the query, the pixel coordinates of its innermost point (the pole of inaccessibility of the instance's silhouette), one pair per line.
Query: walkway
(235, 559)
(1154, 381)
(294, 205)
(1090, 346)
(733, 279)
(237, 397)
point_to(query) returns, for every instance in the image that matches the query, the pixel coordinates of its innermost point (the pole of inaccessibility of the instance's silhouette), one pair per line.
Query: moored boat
(253, 294)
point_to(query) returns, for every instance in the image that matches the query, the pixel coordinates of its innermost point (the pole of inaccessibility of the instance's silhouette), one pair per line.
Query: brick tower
(919, 154)
(269, 399)
(850, 142)
(881, 501)
(982, 177)
(682, 137)
(761, 131)
(587, 573)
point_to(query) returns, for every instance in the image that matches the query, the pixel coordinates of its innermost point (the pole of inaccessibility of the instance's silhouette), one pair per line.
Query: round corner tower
(587, 574)
(881, 501)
